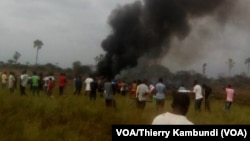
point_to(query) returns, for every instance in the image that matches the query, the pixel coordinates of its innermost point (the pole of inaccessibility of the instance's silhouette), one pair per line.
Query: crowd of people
(140, 91)
(34, 82)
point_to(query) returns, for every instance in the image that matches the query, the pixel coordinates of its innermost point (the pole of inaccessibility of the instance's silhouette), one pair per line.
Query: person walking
(197, 90)
(109, 90)
(230, 92)
(141, 93)
(207, 93)
(160, 96)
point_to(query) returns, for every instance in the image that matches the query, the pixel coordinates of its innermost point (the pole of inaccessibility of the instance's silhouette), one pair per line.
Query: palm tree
(247, 61)
(38, 45)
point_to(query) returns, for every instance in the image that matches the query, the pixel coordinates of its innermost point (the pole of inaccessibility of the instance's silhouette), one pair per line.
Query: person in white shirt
(4, 79)
(197, 90)
(180, 105)
(141, 93)
(87, 81)
(11, 82)
(23, 82)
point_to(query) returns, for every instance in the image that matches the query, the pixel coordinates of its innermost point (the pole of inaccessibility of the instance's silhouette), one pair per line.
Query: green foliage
(38, 44)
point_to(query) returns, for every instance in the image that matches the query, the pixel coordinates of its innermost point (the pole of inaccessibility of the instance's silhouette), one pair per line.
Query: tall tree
(76, 66)
(38, 45)
(16, 56)
(204, 69)
(247, 61)
(230, 65)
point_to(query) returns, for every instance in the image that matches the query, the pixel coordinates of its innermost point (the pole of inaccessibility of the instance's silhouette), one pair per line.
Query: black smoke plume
(145, 28)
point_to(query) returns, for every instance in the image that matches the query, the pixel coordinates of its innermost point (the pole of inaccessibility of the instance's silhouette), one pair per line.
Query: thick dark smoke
(145, 28)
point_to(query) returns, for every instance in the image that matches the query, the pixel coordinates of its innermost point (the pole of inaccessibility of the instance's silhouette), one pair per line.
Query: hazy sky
(73, 30)
(213, 43)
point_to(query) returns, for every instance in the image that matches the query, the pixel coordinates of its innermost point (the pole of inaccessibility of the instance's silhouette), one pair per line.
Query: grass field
(76, 118)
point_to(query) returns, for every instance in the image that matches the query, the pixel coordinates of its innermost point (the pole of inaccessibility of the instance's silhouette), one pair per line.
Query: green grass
(76, 118)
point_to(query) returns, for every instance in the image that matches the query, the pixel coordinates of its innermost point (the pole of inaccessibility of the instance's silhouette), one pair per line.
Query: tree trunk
(36, 55)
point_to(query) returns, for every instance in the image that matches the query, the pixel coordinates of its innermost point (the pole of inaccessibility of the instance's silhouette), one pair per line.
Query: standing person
(180, 105)
(160, 96)
(35, 83)
(93, 89)
(230, 92)
(87, 82)
(50, 87)
(24, 78)
(109, 90)
(45, 85)
(197, 90)
(152, 91)
(207, 92)
(100, 83)
(133, 89)
(46, 79)
(11, 82)
(142, 92)
(4, 79)
(123, 88)
(62, 83)
(77, 85)
(41, 82)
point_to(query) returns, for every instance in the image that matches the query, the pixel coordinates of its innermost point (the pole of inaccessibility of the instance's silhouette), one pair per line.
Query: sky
(214, 43)
(72, 30)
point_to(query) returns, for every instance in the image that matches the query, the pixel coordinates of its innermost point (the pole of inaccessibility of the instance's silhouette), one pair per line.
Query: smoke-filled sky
(75, 30)
(214, 41)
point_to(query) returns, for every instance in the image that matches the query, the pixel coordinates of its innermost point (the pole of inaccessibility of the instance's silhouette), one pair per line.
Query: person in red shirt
(133, 89)
(62, 83)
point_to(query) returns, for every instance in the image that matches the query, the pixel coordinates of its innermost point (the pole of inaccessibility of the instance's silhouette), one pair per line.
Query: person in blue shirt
(109, 91)
(160, 96)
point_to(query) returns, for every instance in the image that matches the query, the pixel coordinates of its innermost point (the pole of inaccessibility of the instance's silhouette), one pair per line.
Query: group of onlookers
(35, 82)
(144, 92)
(181, 101)
(8, 80)
(139, 90)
